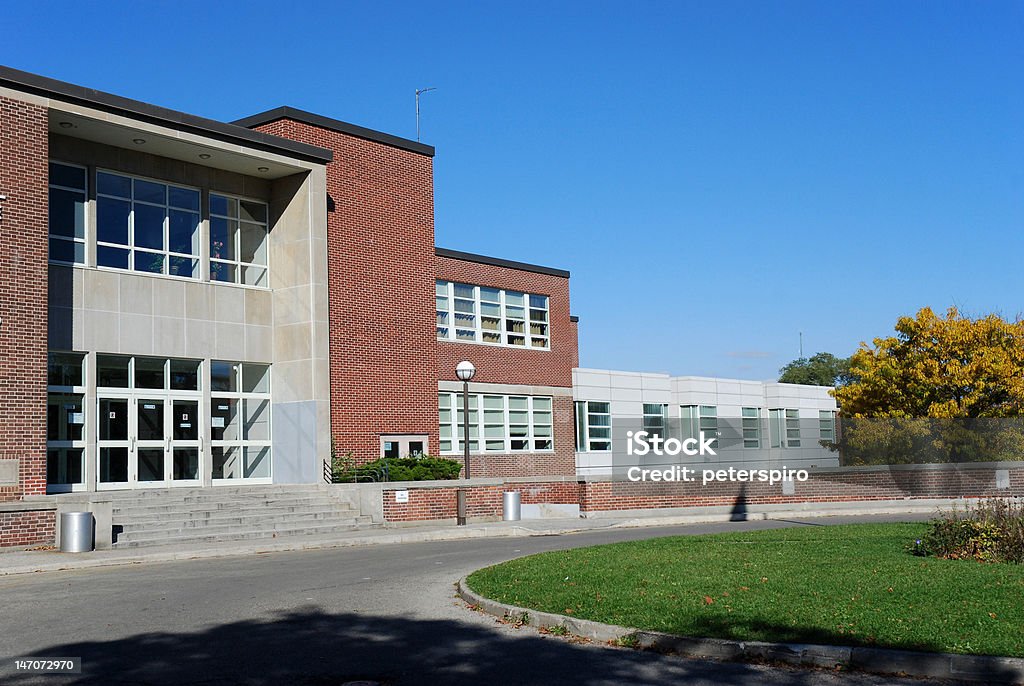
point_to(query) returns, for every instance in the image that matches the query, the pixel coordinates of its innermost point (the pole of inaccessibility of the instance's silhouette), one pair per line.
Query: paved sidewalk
(23, 561)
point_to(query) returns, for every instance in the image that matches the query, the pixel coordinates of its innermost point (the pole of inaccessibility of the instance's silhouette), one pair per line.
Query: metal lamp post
(465, 371)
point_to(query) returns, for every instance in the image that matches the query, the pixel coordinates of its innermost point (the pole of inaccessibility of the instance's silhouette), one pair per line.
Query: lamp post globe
(465, 370)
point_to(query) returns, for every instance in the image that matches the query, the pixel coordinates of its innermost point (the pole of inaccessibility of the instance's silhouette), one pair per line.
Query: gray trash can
(511, 508)
(76, 532)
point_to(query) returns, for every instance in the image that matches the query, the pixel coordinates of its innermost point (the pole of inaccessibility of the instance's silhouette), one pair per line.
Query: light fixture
(138, 141)
(66, 125)
(204, 155)
(465, 371)
(263, 169)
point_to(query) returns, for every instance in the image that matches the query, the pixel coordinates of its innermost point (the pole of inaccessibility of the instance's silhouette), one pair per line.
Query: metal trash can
(511, 507)
(76, 532)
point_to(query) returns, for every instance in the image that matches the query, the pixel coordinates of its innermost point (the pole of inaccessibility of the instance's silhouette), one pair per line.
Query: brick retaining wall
(432, 501)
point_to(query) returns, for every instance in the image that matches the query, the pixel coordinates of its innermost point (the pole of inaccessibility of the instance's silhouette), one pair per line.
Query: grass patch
(845, 585)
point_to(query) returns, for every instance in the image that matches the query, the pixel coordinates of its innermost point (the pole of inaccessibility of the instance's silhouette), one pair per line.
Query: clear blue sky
(718, 176)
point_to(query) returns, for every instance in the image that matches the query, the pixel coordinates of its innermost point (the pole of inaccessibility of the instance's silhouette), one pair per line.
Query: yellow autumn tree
(952, 389)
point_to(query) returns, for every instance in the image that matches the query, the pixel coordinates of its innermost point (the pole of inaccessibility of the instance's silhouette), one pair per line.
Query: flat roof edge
(305, 117)
(18, 80)
(498, 262)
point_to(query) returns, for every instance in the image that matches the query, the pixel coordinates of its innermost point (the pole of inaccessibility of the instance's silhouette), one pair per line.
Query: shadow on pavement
(307, 647)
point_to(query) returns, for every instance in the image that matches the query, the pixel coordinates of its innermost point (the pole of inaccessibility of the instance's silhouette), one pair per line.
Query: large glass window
(238, 240)
(654, 419)
(697, 419)
(593, 426)
(67, 213)
(240, 420)
(784, 428)
(146, 226)
(827, 425)
(65, 421)
(478, 314)
(751, 422)
(508, 424)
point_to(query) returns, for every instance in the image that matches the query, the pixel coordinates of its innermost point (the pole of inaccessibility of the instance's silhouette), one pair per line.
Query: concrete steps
(172, 516)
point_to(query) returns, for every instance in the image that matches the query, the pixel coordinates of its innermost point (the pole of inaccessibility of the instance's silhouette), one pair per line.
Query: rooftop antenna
(418, 91)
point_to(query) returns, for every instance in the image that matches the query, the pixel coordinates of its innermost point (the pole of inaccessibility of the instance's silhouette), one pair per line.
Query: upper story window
(238, 240)
(146, 226)
(827, 425)
(67, 213)
(477, 314)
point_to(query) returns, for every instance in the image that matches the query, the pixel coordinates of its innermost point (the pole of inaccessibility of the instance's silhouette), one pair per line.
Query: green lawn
(848, 585)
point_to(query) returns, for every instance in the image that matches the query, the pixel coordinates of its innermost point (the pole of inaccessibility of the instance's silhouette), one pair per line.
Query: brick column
(23, 294)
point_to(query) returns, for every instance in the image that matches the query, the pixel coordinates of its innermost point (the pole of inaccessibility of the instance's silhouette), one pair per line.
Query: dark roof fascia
(59, 90)
(498, 262)
(334, 125)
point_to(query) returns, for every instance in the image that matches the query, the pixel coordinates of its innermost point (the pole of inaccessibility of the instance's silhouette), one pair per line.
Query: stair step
(199, 521)
(240, 535)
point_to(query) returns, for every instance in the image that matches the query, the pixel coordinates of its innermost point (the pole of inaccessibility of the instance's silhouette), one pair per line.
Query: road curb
(116, 558)
(979, 668)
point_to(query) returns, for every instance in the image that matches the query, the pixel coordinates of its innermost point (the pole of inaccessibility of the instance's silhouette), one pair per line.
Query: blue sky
(718, 176)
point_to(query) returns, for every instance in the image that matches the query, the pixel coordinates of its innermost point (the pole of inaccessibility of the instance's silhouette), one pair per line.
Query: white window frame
(535, 413)
(784, 427)
(445, 291)
(750, 427)
(585, 440)
(660, 427)
(165, 253)
(237, 263)
(58, 444)
(241, 442)
(827, 425)
(74, 240)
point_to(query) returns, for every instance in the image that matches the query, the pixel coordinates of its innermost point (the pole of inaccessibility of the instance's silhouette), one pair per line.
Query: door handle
(133, 443)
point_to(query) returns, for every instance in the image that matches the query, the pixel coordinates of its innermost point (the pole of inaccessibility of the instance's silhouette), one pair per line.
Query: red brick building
(186, 302)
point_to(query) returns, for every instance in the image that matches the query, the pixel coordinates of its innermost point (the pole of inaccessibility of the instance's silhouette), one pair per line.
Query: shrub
(990, 531)
(424, 468)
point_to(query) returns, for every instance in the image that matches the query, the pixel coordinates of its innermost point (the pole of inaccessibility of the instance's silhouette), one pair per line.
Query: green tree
(822, 369)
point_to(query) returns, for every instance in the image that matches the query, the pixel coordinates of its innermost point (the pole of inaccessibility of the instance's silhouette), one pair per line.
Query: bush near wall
(991, 531)
(424, 468)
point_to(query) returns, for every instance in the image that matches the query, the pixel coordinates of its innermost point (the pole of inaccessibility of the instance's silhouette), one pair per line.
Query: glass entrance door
(147, 441)
(151, 441)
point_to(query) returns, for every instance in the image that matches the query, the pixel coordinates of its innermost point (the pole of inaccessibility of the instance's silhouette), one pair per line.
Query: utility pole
(418, 91)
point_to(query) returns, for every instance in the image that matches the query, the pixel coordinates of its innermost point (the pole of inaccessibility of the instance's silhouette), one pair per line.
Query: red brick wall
(560, 462)
(380, 222)
(822, 487)
(499, 364)
(482, 502)
(23, 293)
(27, 528)
(485, 501)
